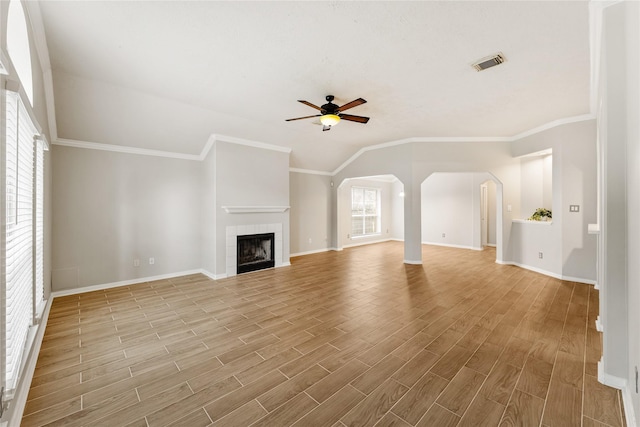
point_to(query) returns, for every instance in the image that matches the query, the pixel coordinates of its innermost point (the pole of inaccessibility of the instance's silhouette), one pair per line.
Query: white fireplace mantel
(254, 209)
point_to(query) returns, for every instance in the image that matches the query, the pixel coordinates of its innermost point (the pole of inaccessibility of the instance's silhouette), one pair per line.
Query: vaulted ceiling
(166, 75)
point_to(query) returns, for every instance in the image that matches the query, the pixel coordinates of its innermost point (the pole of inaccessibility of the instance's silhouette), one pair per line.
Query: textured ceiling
(168, 74)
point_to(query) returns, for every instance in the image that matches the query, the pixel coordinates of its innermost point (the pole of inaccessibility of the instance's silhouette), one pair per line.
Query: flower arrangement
(541, 214)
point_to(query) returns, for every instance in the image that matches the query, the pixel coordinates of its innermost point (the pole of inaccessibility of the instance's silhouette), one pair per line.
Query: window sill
(529, 221)
(364, 236)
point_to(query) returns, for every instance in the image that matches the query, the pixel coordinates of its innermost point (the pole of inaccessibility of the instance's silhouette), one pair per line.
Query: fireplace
(255, 252)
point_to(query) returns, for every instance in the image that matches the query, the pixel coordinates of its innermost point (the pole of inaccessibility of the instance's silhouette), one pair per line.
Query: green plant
(541, 214)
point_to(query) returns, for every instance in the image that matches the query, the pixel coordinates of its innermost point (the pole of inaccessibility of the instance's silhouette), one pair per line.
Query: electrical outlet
(444, 235)
(152, 261)
(310, 240)
(540, 255)
(574, 208)
(136, 262)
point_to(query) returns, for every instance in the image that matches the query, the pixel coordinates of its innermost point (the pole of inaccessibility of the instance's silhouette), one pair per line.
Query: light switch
(574, 208)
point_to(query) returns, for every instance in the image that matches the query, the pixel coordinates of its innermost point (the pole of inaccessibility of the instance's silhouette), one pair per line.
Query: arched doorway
(463, 210)
(370, 209)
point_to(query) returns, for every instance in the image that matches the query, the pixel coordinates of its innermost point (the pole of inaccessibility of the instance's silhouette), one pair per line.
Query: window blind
(18, 235)
(38, 230)
(365, 211)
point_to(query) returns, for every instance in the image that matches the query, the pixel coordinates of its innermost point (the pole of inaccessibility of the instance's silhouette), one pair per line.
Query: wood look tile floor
(351, 338)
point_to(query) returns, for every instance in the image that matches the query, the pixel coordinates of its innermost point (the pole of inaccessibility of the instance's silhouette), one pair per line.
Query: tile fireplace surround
(233, 231)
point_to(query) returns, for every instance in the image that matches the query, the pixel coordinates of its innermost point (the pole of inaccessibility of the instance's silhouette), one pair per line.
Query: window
(365, 211)
(18, 46)
(23, 237)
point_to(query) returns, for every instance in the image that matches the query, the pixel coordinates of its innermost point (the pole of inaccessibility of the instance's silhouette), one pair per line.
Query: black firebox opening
(255, 252)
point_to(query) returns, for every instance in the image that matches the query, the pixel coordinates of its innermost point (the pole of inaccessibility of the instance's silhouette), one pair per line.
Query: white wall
(111, 208)
(632, 26)
(619, 240)
(536, 183)
(492, 213)
(449, 206)
(310, 199)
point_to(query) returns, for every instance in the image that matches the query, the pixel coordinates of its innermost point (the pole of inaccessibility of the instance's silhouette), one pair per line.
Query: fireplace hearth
(255, 252)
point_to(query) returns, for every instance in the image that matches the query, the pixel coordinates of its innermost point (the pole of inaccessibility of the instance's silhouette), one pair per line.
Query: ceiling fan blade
(305, 117)
(352, 104)
(309, 104)
(351, 118)
(326, 128)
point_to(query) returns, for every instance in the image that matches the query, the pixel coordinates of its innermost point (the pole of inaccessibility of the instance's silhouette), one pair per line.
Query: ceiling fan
(330, 114)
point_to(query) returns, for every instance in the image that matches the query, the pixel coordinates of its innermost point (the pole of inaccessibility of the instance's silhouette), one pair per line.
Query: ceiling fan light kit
(330, 119)
(330, 114)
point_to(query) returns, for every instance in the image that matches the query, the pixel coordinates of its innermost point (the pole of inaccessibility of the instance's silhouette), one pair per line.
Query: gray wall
(397, 211)
(248, 176)
(111, 208)
(451, 205)
(574, 183)
(413, 163)
(310, 199)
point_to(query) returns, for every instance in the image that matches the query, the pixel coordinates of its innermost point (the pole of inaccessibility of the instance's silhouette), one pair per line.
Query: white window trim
(13, 90)
(378, 215)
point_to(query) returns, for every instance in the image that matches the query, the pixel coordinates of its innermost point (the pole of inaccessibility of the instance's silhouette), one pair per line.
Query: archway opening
(370, 209)
(462, 210)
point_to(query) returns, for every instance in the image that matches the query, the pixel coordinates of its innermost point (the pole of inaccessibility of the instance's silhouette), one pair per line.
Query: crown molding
(249, 143)
(310, 172)
(232, 140)
(168, 154)
(514, 138)
(125, 149)
(553, 124)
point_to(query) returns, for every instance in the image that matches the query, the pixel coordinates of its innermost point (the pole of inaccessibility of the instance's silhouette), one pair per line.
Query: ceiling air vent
(488, 62)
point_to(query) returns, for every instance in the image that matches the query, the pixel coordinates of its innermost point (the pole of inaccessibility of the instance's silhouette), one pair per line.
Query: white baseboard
(91, 288)
(627, 402)
(412, 262)
(548, 273)
(212, 276)
(452, 246)
(579, 280)
(493, 245)
(316, 251)
(368, 242)
(599, 326)
(610, 380)
(623, 385)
